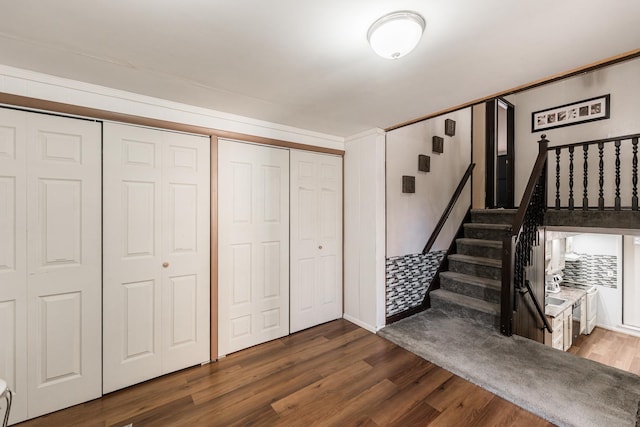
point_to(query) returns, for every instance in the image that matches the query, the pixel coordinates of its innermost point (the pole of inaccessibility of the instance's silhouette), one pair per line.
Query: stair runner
(471, 287)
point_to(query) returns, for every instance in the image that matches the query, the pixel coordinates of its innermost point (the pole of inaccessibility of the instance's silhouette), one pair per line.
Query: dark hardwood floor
(610, 348)
(336, 374)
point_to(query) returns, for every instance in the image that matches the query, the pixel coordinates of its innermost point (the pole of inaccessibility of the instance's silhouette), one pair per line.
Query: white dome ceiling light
(396, 34)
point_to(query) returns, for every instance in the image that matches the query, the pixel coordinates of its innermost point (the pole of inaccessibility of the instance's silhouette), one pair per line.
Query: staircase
(471, 287)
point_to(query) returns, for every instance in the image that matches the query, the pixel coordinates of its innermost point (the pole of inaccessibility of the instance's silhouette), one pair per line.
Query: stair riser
(476, 250)
(475, 269)
(485, 233)
(495, 217)
(487, 319)
(470, 289)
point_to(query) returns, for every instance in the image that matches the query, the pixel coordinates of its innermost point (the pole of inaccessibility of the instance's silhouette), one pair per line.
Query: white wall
(479, 155)
(36, 85)
(631, 282)
(364, 237)
(412, 217)
(609, 300)
(622, 82)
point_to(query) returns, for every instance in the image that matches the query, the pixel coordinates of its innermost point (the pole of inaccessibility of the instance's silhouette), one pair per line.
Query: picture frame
(408, 184)
(449, 127)
(438, 144)
(424, 163)
(587, 110)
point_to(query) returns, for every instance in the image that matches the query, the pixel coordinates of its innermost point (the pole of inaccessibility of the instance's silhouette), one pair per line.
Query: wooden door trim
(214, 250)
(511, 155)
(490, 154)
(42, 105)
(549, 79)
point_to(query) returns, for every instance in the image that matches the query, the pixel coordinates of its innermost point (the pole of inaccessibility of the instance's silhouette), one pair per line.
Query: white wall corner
(358, 322)
(365, 229)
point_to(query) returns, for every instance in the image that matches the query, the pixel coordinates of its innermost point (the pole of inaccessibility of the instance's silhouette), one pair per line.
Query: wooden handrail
(510, 242)
(538, 166)
(449, 208)
(547, 325)
(593, 141)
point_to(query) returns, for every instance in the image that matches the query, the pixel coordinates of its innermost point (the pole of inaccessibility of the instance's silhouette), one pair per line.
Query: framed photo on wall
(588, 110)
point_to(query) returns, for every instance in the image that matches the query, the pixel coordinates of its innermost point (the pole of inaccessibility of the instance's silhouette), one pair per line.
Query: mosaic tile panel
(593, 269)
(408, 277)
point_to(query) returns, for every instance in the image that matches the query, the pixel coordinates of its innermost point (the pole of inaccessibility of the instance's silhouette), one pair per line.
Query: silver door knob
(165, 264)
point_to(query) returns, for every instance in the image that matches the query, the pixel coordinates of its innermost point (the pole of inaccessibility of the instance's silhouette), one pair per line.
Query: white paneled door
(316, 239)
(64, 262)
(13, 257)
(50, 264)
(253, 229)
(156, 253)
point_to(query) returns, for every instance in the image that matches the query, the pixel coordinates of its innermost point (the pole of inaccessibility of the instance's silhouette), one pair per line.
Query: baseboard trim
(360, 323)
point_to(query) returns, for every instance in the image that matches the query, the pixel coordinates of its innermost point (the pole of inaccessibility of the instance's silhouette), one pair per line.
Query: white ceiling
(307, 63)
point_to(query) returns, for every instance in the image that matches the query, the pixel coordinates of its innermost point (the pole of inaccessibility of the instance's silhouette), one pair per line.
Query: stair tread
(480, 242)
(487, 225)
(495, 211)
(490, 262)
(474, 303)
(482, 281)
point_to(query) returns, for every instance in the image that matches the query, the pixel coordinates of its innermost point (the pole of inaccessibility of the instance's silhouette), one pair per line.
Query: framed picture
(408, 184)
(449, 127)
(597, 108)
(424, 163)
(437, 144)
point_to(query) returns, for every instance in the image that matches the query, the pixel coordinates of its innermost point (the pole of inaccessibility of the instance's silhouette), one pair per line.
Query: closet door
(132, 295)
(64, 262)
(316, 239)
(156, 253)
(186, 236)
(253, 230)
(13, 258)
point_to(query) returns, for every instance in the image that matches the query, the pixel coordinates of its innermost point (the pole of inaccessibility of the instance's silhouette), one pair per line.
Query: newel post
(543, 147)
(543, 144)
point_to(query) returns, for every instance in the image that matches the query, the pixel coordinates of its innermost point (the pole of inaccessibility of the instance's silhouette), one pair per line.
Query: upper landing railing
(616, 188)
(615, 160)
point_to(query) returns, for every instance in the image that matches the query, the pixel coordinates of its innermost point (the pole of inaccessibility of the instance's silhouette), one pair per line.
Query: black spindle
(571, 177)
(557, 178)
(585, 180)
(617, 201)
(634, 199)
(601, 176)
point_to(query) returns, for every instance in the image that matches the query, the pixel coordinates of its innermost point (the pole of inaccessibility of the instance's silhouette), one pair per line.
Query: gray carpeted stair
(481, 311)
(476, 266)
(479, 247)
(493, 216)
(471, 287)
(486, 231)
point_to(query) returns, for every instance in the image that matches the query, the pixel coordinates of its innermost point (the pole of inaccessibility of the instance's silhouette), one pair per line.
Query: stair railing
(448, 209)
(517, 248)
(597, 148)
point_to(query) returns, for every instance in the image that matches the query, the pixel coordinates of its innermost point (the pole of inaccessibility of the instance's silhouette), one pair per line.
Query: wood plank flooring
(336, 374)
(610, 348)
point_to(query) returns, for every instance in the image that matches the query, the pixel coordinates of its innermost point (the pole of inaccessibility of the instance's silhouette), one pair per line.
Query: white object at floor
(6, 393)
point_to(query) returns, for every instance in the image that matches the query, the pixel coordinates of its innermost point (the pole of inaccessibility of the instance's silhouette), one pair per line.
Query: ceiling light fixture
(396, 34)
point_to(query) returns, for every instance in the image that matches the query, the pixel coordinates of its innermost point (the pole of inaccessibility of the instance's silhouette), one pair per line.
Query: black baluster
(571, 178)
(585, 182)
(634, 179)
(557, 178)
(617, 202)
(601, 176)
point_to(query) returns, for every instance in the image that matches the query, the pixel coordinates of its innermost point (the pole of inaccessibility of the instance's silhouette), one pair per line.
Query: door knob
(320, 247)
(165, 264)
